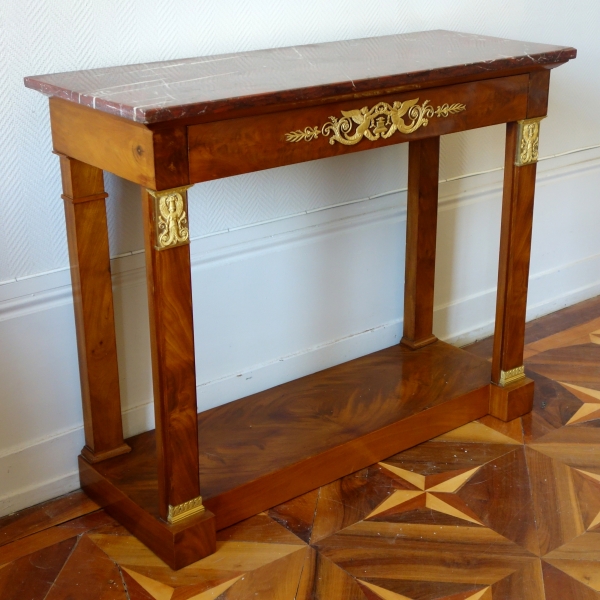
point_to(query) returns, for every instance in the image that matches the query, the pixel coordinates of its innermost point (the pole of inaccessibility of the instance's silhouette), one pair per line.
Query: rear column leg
(421, 231)
(87, 235)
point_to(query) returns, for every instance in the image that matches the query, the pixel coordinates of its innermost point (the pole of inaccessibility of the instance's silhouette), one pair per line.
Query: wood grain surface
(421, 231)
(488, 511)
(272, 446)
(87, 235)
(169, 283)
(515, 249)
(104, 141)
(235, 146)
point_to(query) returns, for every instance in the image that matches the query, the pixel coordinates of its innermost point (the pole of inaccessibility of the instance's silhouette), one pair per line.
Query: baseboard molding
(481, 307)
(41, 301)
(39, 492)
(46, 467)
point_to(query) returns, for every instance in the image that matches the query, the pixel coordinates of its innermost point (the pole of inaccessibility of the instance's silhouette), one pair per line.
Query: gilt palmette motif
(172, 220)
(530, 140)
(379, 122)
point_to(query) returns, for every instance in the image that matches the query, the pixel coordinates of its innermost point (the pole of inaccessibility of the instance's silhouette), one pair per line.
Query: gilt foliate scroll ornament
(185, 510)
(512, 375)
(170, 217)
(381, 121)
(528, 139)
(309, 133)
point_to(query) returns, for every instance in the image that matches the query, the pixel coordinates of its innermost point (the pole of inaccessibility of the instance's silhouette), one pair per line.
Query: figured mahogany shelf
(327, 425)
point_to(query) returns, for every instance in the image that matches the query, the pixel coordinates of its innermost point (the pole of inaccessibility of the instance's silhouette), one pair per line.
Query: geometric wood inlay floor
(490, 511)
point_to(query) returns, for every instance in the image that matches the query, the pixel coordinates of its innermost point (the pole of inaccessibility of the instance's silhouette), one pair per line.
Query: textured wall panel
(41, 36)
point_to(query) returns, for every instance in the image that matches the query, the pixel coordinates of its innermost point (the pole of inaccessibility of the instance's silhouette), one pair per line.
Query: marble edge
(148, 116)
(159, 114)
(54, 91)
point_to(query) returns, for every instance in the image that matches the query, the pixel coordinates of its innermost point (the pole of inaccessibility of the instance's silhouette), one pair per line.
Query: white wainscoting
(279, 300)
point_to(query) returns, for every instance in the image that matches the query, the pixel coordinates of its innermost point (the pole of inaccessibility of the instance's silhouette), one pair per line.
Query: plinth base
(178, 545)
(511, 401)
(260, 451)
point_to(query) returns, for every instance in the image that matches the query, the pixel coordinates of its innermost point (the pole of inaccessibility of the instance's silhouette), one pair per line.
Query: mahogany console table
(171, 124)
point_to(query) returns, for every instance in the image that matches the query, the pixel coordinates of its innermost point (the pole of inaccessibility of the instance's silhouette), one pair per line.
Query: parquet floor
(490, 511)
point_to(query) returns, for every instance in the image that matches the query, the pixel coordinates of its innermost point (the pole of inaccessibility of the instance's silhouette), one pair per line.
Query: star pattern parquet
(490, 511)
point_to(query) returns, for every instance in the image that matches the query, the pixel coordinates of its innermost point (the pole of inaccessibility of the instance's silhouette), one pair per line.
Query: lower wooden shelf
(265, 449)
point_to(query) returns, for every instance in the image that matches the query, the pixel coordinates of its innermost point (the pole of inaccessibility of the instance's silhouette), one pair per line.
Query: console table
(169, 125)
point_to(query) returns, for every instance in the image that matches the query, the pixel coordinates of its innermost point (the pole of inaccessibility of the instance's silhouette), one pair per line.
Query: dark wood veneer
(226, 116)
(235, 146)
(87, 232)
(421, 230)
(169, 280)
(264, 448)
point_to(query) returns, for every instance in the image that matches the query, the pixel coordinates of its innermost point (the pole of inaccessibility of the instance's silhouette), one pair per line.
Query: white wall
(294, 269)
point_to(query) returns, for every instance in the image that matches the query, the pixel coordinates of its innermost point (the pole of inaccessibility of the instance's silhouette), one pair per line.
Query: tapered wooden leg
(87, 235)
(512, 392)
(421, 228)
(173, 366)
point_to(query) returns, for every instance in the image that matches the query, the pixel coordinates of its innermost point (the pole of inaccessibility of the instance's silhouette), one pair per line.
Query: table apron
(235, 146)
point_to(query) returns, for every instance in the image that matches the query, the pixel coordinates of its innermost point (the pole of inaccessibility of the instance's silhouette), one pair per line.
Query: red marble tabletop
(161, 91)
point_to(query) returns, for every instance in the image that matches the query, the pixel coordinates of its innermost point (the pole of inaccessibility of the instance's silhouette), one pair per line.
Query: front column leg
(172, 339)
(87, 235)
(512, 392)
